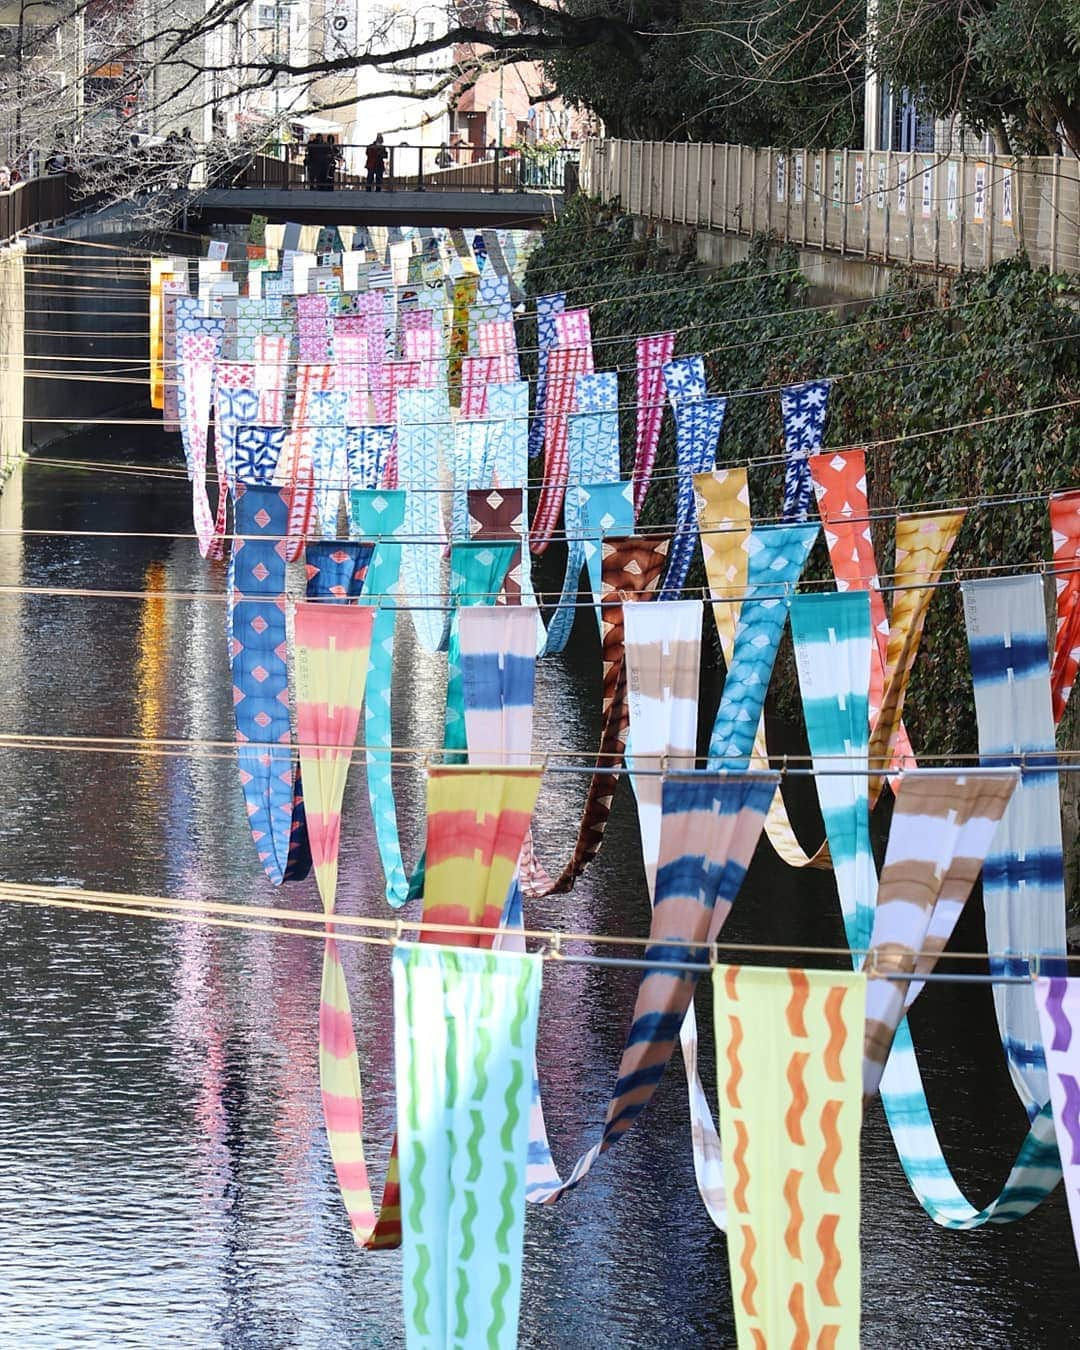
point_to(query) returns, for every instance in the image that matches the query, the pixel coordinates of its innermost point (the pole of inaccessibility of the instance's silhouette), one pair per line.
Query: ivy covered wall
(934, 353)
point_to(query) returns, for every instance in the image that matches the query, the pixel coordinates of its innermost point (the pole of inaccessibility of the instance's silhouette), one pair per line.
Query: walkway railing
(954, 211)
(40, 201)
(413, 168)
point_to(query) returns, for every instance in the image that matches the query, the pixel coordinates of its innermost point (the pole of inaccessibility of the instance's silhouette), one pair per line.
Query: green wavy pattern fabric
(464, 1046)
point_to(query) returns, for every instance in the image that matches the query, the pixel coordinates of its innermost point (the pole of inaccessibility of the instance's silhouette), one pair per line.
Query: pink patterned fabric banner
(351, 351)
(1065, 527)
(271, 378)
(565, 364)
(652, 354)
(425, 345)
(313, 327)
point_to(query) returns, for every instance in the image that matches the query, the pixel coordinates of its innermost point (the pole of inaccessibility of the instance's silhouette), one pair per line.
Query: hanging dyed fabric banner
(547, 307)
(332, 645)
(564, 365)
(423, 444)
(195, 399)
(1023, 878)
(272, 355)
(834, 683)
(367, 452)
(833, 644)
(923, 545)
(477, 571)
(802, 408)
(839, 482)
(788, 1084)
(593, 449)
(606, 509)
(663, 658)
(652, 355)
(351, 352)
(711, 826)
(498, 514)
(698, 427)
(329, 453)
(272, 789)
(380, 515)
(1065, 531)
(474, 445)
(497, 655)
(942, 827)
(684, 380)
(336, 570)
(777, 555)
(1058, 1002)
(296, 466)
(723, 507)
(631, 569)
(464, 1048)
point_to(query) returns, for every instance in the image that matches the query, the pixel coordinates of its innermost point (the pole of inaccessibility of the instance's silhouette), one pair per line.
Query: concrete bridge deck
(354, 206)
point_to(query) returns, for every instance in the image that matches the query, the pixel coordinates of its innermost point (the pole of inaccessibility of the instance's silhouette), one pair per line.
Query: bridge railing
(949, 211)
(412, 168)
(41, 201)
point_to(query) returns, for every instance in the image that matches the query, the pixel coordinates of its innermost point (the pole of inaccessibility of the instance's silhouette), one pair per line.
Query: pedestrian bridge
(500, 190)
(354, 206)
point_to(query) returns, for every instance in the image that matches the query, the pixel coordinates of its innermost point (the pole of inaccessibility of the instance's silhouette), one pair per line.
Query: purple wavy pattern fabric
(1058, 1001)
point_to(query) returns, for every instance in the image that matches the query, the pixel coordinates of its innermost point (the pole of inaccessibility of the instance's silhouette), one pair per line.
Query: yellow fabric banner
(789, 1083)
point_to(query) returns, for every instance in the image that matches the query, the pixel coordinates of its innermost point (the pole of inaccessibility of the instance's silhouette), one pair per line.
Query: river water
(165, 1178)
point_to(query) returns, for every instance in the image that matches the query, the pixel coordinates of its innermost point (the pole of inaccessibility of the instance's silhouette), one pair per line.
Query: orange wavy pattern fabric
(1065, 527)
(789, 1083)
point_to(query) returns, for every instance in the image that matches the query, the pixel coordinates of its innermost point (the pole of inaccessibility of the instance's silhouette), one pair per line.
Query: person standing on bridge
(375, 163)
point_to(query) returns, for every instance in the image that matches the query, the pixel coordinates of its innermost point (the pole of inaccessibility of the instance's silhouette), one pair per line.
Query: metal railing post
(420, 169)
(497, 167)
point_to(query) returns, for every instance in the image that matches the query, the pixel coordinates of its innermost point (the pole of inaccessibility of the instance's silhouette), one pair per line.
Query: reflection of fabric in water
(332, 646)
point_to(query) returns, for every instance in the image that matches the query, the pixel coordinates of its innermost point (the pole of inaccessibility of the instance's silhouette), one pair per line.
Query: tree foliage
(763, 72)
(1010, 67)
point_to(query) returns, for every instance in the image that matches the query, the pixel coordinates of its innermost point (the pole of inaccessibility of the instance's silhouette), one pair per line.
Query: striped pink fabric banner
(564, 365)
(652, 353)
(271, 378)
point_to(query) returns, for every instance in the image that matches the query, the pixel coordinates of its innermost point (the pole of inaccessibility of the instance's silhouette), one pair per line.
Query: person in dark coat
(375, 163)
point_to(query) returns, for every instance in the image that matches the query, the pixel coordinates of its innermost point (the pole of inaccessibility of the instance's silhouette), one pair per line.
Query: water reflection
(166, 1177)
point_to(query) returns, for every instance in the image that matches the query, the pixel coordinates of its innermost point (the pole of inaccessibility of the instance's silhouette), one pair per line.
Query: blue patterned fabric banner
(257, 653)
(336, 569)
(832, 635)
(424, 439)
(1023, 876)
(606, 509)
(698, 426)
(233, 408)
(803, 408)
(777, 555)
(464, 1049)
(329, 441)
(710, 827)
(475, 446)
(547, 306)
(367, 451)
(379, 515)
(593, 448)
(256, 453)
(684, 379)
